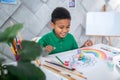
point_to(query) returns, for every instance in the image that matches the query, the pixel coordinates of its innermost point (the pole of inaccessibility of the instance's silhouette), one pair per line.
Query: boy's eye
(61, 27)
(68, 27)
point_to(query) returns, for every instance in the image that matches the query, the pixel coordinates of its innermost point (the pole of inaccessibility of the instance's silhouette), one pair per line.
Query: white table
(97, 71)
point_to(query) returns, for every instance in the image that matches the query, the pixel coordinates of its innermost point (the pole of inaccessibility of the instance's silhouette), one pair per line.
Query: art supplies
(59, 65)
(38, 62)
(12, 48)
(59, 59)
(58, 72)
(73, 73)
(19, 44)
(66, 63)
(15, 46)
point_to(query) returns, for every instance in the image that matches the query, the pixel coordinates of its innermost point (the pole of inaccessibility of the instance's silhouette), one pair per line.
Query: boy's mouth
(63, 34)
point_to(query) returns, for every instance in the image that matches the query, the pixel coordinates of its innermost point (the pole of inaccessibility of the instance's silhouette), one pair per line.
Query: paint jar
(66, 63)
(81, 56)
(78, 53)
(110, 62)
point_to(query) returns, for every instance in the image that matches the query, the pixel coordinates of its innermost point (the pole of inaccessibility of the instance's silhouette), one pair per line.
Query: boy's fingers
(88, 43)
(49, 48)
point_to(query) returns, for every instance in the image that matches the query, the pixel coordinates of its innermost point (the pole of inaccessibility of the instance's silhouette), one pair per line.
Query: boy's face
(61, 27)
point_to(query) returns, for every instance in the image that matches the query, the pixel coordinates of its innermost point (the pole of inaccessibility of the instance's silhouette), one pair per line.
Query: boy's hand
(88, 43)
(49, 48)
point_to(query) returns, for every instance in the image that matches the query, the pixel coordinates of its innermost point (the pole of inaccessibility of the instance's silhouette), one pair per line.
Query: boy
(59, 40)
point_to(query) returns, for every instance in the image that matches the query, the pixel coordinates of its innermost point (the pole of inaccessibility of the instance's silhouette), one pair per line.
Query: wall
(35, 15)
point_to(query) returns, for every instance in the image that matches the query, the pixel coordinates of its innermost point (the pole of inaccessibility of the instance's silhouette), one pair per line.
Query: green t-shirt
(64, 44)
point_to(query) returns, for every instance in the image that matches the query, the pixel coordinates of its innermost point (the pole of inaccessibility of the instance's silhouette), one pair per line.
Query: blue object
(8, 1)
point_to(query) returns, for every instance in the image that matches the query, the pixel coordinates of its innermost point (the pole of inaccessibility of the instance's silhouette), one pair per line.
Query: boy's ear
(52, 25)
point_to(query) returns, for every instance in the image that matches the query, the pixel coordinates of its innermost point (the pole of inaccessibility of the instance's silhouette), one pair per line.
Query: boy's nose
(65, 30)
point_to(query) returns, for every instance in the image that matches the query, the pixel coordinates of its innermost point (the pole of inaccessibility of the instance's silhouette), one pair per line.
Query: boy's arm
(44, 43)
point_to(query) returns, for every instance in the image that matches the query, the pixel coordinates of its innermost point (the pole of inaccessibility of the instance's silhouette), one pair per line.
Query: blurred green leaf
(10, 33)
(30, 50)
(26, 71)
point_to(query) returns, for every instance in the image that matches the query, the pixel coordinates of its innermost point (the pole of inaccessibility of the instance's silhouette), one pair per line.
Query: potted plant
(24, 70)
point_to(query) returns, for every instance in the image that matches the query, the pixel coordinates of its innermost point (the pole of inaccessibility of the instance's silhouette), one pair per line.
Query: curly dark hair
(60, 13)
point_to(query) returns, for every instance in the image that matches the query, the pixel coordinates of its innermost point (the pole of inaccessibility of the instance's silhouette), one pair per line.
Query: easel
(103, 37)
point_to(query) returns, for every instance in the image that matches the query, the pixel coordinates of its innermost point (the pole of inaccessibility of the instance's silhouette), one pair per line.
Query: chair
(36, 39)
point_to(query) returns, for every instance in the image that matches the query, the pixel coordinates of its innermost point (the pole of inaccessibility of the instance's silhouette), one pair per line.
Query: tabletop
(96, 65)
